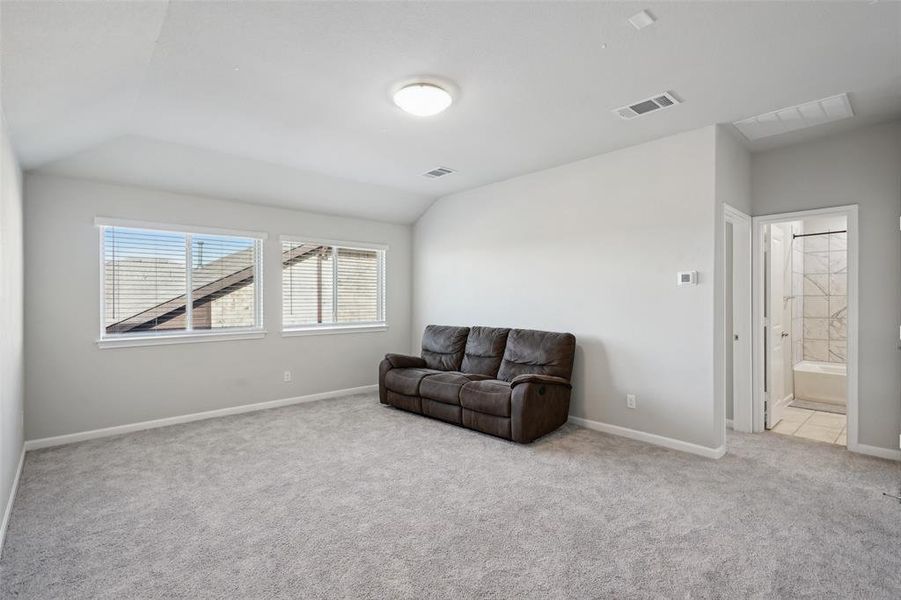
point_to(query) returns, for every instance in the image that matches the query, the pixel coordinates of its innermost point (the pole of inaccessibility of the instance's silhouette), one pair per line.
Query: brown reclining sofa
(512, 383)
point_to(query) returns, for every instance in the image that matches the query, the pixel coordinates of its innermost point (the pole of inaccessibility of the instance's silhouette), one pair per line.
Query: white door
(739, 337)
(776, 332)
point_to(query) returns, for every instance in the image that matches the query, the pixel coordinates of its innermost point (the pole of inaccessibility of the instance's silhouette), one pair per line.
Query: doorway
(805, 325)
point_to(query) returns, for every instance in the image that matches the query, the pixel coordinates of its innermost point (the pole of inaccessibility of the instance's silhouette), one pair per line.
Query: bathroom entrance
(805, 322)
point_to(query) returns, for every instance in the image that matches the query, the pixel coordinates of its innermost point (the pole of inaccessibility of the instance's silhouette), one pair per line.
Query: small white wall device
(687, 278)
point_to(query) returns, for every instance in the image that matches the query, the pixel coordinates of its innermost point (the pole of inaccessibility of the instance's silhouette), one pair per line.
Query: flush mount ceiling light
(422, 99)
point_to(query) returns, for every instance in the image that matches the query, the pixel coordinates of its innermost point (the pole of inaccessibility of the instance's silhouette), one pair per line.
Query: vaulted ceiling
(288, 103)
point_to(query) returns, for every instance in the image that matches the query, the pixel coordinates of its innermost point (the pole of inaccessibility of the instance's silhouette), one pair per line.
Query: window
(161, 283)
(332, 286)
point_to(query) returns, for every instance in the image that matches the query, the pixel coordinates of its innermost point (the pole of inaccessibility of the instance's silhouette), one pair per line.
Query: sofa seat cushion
(406, 381)
(445, 387)
(489, 396)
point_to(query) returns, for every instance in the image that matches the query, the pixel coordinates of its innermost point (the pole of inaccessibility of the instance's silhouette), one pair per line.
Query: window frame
(332, 328)
(144, 338)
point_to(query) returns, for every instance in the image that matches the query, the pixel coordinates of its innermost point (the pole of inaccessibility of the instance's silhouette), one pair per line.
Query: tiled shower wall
(824, 303)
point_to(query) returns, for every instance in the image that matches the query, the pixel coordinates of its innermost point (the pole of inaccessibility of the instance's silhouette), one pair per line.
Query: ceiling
(257, 100)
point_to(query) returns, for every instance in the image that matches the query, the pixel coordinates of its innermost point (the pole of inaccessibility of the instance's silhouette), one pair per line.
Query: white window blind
(327, 285)
(158, 281)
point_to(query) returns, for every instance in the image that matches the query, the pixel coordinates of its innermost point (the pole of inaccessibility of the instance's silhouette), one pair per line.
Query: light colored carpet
(350, 499)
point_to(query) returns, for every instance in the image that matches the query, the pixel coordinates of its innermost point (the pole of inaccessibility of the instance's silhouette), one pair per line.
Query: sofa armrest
(540, 379)
(537, 408)
(402, 361)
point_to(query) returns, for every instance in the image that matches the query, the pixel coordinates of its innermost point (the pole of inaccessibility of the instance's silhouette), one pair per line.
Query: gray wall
(11, 320)
(732, 186)
(593, 247)
(862, 167)
(733, 171)
(73, 386)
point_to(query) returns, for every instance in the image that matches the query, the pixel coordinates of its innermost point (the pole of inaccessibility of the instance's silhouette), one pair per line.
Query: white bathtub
(821, 382)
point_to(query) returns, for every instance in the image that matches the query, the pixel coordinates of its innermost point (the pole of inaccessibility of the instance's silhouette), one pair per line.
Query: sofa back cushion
(538, 352)
(484, 350)
(443, 346)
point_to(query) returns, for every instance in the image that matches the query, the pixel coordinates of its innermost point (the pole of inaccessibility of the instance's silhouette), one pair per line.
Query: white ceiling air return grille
(792, 118)
(648, 105)
(438, 172)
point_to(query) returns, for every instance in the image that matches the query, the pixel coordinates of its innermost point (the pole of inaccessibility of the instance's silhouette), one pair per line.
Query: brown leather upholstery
(546, 379)
(445, 387)
(443, 346)
(384, 367)
(402, 361)
(536, 409)
(406, 381)
(410, 403)
(530, 351)
(491, 397)
(499, 426)
(484, 350)
(514, 383)
(440, 410)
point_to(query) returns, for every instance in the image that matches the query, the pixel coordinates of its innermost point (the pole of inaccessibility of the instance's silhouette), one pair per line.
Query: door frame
(759, 223)
(741, 317)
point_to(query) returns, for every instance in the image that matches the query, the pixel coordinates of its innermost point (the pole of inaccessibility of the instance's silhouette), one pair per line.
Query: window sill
(189, 338)
(333, 329)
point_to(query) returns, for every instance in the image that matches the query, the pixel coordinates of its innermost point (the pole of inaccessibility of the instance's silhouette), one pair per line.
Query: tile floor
(814, 425)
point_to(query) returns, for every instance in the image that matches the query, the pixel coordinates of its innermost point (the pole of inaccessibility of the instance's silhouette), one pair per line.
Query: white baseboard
(81, 436)
(730, 424)
(876, 451)
(12, 498)
(650, 438)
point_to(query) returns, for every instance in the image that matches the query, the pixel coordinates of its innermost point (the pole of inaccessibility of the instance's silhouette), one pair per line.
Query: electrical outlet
(630, 400)
(288, 377)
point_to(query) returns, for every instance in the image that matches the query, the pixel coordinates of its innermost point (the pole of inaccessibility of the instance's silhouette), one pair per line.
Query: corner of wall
(732, 186)
(12, 371)
(732, 170)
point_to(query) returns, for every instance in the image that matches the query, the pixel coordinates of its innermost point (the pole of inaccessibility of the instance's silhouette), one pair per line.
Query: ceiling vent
(439, 172)
(792, 118)
(658, 102)
(641, 20)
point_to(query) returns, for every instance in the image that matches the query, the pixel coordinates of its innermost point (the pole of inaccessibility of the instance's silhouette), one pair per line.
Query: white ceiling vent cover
(643, 107)
(641, 20)
(438, 172)
(792, 118)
